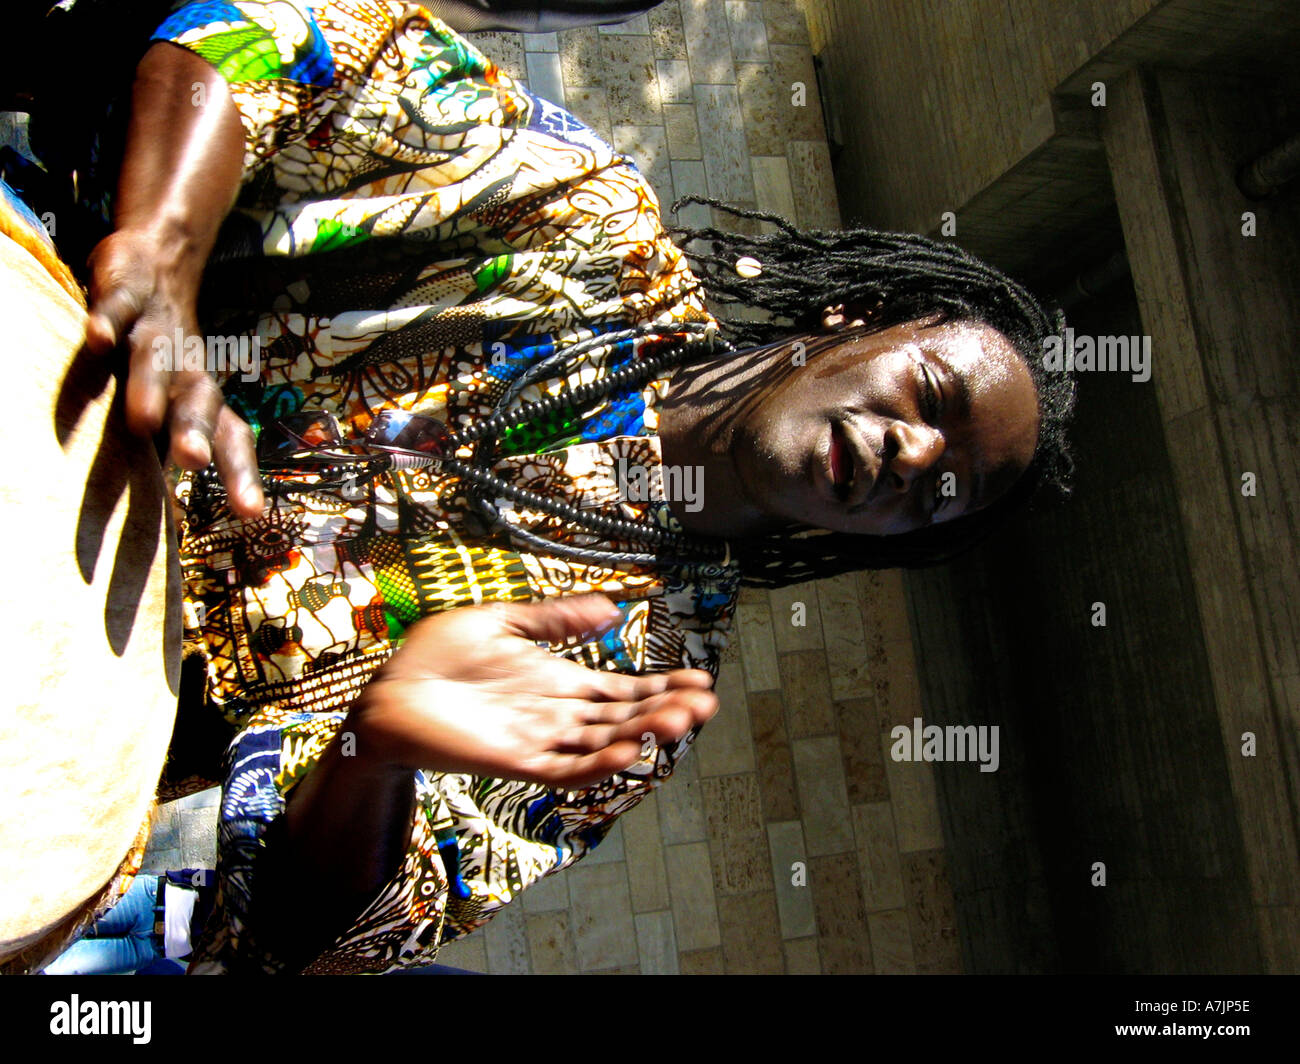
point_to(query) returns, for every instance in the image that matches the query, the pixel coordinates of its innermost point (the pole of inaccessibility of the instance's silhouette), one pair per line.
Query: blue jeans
(121, 940)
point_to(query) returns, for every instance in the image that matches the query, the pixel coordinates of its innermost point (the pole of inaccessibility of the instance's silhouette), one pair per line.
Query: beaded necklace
(667, 548)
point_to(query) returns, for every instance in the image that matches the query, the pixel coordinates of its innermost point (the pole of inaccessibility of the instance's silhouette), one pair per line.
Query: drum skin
(91, 624)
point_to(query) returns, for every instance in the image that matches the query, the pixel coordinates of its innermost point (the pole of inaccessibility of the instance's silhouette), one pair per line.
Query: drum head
(90, 627)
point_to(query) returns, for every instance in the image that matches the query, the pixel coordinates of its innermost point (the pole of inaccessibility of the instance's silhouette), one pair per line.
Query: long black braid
(904, 277)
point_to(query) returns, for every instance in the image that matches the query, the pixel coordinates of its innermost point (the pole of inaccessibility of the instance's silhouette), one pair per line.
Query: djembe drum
(91, 628)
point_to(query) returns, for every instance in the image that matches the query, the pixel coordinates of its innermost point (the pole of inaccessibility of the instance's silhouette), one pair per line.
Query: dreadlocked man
(472, 321)
(910, 447)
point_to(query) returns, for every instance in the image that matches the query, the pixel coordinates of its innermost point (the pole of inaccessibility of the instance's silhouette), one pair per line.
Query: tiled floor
(789, 841)
(184, 833)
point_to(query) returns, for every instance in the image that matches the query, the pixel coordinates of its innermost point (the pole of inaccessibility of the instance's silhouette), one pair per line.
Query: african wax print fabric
(430, 230)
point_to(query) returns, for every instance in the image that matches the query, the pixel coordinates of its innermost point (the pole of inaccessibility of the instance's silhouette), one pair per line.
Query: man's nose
(916, 449)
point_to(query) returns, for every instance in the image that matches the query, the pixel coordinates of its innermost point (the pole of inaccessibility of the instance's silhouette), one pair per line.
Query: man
(417, 234)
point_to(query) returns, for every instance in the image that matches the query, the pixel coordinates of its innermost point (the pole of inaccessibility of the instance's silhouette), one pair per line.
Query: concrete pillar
(1220, 306)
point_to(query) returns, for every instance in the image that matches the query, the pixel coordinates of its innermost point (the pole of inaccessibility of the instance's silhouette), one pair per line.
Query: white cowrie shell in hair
(748, 267)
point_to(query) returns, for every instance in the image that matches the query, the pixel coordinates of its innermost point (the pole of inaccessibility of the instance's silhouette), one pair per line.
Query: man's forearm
(184, 157)
(346, 827)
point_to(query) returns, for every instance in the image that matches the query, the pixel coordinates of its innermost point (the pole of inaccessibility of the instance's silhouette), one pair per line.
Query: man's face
(891, 432)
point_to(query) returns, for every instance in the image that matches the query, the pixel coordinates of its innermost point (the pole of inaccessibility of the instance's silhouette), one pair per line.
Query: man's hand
(470, 691)
(142, 300)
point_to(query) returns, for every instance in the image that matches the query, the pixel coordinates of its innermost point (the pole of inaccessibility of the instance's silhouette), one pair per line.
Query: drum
(91, 626)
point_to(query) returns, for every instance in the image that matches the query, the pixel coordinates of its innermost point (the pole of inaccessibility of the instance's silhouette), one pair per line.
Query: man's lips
(848, 472)
(841, 463)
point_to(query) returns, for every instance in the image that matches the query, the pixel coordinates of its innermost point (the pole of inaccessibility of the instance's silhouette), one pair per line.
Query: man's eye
(931, 402)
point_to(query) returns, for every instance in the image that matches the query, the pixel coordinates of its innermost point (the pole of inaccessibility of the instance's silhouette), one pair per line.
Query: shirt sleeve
(277, 61)
(326, 91)
(269, 756)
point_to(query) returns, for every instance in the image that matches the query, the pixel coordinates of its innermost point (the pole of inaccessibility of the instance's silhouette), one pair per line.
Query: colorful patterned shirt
(415, 231)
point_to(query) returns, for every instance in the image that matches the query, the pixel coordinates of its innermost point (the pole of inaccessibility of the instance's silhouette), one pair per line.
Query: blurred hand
(470, 691)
